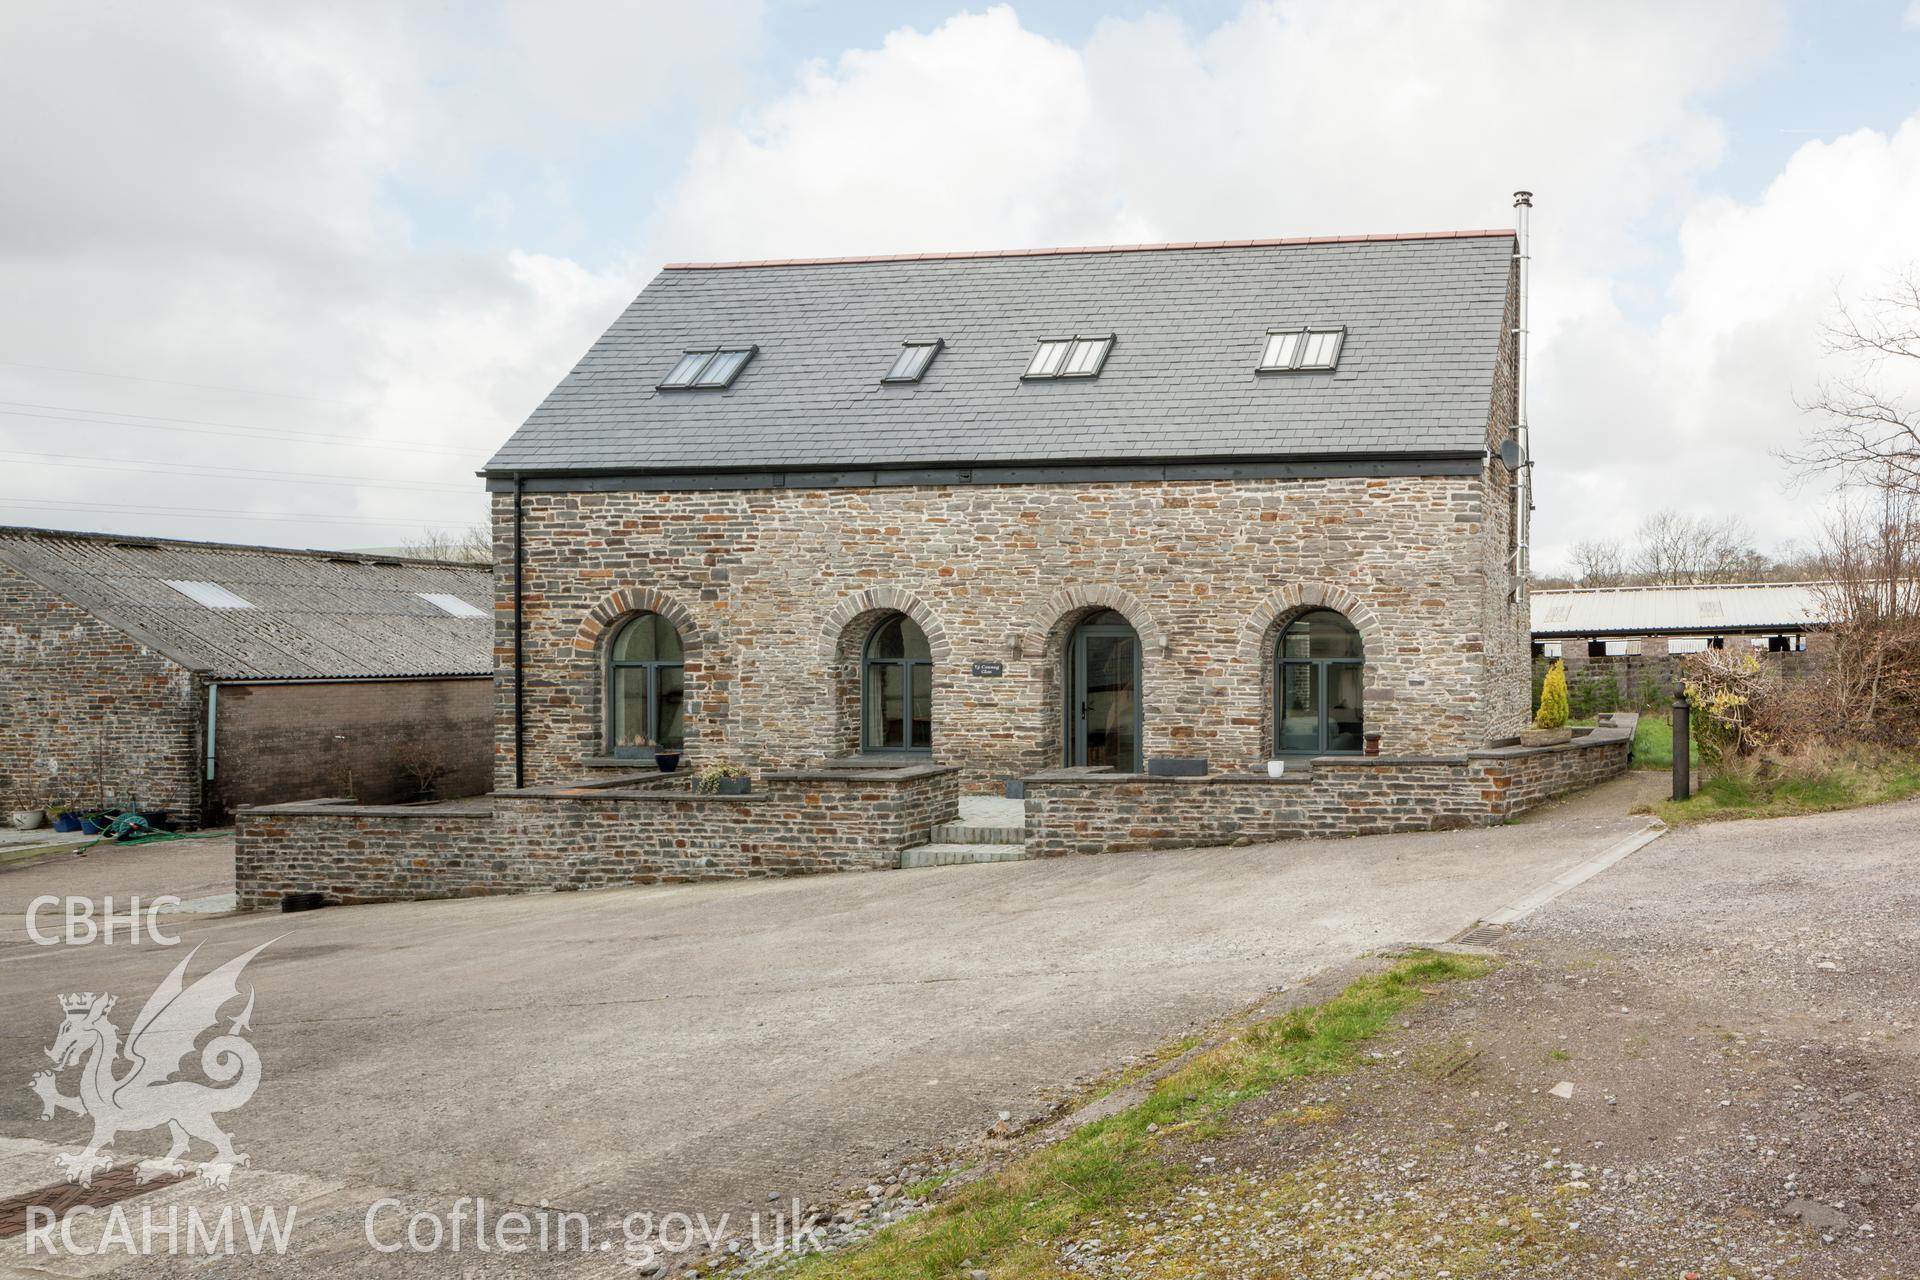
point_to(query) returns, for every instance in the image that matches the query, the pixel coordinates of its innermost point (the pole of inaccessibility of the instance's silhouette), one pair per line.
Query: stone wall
(637, 830)
(1657, 672)
(89, 716)
(1092, 811)
(774, 590)
(275, 742)
(1508, 614)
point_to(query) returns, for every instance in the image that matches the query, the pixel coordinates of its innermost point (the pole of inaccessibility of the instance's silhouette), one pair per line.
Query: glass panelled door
(1318, 697)
(1104, 694)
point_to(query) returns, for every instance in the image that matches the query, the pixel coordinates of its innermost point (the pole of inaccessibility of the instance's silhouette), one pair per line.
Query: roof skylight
(210, 594)
(453, 606)
(1077, 357)
(709, 368)
(1308, 347)
(915, 356)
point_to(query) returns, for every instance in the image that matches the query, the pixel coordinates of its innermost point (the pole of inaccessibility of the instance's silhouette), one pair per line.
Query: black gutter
(1634, 633)
(519, 642)
(633, 479)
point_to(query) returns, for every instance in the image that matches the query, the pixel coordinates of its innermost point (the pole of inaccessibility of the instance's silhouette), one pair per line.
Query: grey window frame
(937, 345)
(907, 679)
(693, 381)
(1074, 682)
(652, 673)
(1322, 672)
(1073, 341)
(1304, 331)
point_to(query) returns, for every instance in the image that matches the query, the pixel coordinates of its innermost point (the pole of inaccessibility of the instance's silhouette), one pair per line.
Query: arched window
(1318, 686)
(897, 688)
(646, 688)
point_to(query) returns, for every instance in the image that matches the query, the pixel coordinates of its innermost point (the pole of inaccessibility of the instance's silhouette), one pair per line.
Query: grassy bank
(1009, 1223)
(1813, 784)
(1652, 742)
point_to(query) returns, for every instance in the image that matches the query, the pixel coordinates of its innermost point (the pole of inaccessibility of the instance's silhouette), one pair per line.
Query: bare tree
(472, 544)
(1598, 563)
(1869, 433)
(1872, 596)
(1672, 547)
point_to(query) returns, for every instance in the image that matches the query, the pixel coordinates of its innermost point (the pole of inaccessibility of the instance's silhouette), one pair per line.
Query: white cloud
(1692, 412)
(221, 194)
(217, 194)
(1291, 118)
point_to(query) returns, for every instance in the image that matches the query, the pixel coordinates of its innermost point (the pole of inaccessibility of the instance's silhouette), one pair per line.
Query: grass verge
(1769, 790)
(1652, 742)
(1010, 1222)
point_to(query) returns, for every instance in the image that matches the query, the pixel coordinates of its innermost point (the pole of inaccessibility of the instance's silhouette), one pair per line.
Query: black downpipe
(519, 642)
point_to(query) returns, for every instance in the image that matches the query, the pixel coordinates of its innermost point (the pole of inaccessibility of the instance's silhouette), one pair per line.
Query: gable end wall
(89, 715)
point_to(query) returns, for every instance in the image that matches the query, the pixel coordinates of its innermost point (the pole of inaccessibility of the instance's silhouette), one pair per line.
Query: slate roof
(1423, 317)
(316, 613)
(1706, 609)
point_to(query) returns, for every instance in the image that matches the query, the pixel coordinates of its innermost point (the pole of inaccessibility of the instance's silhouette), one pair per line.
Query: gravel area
(1700, 1064)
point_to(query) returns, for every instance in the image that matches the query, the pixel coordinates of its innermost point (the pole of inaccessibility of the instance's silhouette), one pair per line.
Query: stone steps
(965, 832)
(953, 853)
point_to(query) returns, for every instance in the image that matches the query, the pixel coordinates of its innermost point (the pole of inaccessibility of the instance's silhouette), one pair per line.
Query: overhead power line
(208, 427)
(174, 382)
(210, 513)
(139, 466)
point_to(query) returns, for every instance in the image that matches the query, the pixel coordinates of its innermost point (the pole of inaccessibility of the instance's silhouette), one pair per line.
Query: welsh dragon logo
(145, 1094)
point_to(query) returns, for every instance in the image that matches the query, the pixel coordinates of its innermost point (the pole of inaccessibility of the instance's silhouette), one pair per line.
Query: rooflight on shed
(1078, 357)
(210, 594)
(710, 368)
(1309, 347)
(453, 606)
(915, 356)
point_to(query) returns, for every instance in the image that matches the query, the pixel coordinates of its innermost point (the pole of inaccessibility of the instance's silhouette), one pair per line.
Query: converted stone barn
(197, 677)
(1016, 511)
(977, 556)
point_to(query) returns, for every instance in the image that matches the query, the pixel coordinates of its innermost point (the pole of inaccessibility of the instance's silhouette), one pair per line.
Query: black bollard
(1682, 753)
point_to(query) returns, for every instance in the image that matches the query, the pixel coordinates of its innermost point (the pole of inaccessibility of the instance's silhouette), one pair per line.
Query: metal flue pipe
(1523, 474)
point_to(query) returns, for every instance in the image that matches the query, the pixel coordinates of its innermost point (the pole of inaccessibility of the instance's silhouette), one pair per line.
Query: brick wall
(644, 831)
(278, 742)
(88, 715)
(1080, 811)
(773, 591)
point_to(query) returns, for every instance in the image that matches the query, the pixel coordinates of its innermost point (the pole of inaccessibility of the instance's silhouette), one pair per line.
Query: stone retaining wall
(1095, 811)
(639, 830)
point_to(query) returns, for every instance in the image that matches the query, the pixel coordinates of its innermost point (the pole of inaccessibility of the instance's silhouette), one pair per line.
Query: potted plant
(1550, 722)
(423, 765)
(665, 758)
(25, 815)
(723, 780)
(63, 816)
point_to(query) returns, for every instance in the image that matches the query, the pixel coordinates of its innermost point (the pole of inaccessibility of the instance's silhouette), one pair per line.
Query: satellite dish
(1510, 453)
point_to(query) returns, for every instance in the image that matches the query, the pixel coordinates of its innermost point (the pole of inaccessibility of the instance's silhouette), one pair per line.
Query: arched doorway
(897, 688)
(1103, 693)
(1318, 686)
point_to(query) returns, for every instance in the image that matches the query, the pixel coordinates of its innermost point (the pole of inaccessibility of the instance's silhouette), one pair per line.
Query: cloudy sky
(288, 273)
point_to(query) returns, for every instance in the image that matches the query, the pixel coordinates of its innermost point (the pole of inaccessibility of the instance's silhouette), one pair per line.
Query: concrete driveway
(705, 1047)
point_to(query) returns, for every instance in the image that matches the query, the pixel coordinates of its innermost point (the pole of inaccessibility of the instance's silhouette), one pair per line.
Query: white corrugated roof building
(1694, 609)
